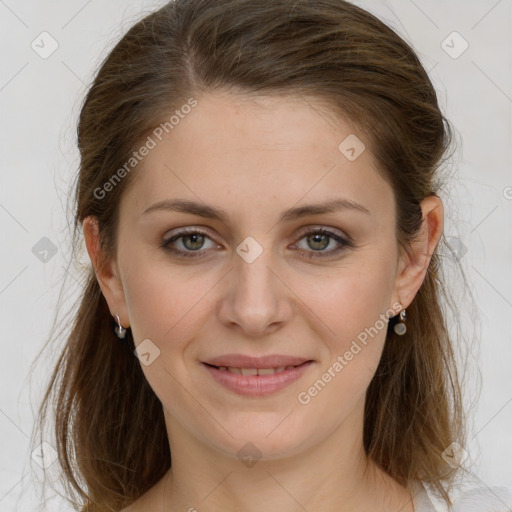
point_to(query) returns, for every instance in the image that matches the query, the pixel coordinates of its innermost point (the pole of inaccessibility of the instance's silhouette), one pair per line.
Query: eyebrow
(203, 210)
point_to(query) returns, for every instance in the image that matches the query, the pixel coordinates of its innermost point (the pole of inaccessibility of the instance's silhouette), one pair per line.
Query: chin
(266, 443)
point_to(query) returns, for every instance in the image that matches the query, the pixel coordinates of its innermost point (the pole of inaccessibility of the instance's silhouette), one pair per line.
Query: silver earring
(400, 328)
(119, 329)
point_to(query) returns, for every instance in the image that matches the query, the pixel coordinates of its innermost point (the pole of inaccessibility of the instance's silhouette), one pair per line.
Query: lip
(257, 385)
(245, 361)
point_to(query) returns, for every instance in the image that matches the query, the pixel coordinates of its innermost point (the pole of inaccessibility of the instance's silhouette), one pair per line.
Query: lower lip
(257, 385)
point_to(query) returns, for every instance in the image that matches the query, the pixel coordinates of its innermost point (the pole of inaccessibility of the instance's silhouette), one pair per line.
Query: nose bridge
(255, 298)
(253, 269)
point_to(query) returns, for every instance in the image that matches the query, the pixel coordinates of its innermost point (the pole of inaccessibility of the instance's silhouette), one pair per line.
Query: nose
(256, 299)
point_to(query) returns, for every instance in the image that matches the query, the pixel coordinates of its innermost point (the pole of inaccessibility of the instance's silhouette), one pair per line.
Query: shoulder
(465, 498)
(484, 499)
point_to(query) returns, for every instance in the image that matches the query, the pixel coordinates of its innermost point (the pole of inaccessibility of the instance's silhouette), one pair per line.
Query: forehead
(248, 150)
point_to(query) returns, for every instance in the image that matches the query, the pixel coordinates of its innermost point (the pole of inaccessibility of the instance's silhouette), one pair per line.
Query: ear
(414, 265)
(106, 272)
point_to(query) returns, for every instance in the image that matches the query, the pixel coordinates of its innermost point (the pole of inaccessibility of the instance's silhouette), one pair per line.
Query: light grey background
(39, 103)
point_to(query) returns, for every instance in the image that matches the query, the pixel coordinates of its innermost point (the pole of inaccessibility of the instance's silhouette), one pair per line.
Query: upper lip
(244, 361)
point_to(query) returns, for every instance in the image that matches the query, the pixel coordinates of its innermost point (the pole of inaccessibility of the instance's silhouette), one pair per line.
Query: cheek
(164, 301)
(351, 300)
(354, 314)
(152, 296)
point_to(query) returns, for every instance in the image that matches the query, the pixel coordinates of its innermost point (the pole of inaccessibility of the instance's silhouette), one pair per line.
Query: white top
(476, 499)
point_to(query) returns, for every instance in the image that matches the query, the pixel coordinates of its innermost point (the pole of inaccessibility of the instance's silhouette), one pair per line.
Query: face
(313, 285)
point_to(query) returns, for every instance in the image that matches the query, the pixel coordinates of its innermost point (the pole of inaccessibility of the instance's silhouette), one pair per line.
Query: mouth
(264, 362)
(256, 382)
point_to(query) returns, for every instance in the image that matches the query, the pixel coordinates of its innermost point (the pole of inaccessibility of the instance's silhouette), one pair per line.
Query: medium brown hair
(110, 432)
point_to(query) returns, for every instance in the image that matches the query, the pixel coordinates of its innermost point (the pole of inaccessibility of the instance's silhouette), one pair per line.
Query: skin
(255, 159)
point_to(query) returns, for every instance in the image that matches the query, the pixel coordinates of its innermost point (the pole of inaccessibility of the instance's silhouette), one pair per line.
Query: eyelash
(345, 244)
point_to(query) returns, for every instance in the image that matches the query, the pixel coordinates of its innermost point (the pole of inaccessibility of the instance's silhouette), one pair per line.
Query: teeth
(255, 371)
(249, 371)
(266, 371)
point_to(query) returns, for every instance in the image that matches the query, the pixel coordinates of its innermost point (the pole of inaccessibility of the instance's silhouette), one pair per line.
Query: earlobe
(105, 270)
(415, 263)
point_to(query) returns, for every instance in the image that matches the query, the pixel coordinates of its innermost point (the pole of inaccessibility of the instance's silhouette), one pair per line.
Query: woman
(262, 322)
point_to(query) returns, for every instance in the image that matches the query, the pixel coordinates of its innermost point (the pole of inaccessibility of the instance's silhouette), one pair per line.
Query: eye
(192, 240)
(317, 240)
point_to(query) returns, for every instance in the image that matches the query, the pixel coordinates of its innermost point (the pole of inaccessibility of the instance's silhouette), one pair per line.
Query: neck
(333, 474)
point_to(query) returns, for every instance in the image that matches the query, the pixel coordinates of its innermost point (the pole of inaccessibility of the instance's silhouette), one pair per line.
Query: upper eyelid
(341, 239)
(183, 231)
